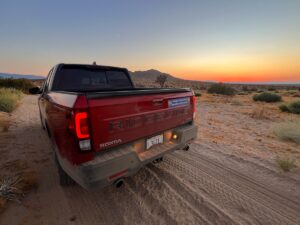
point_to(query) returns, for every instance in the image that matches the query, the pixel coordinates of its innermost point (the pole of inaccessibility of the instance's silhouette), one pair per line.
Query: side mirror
(35, 90)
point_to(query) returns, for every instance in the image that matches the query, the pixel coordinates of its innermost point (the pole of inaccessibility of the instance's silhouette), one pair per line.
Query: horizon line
(207, 81)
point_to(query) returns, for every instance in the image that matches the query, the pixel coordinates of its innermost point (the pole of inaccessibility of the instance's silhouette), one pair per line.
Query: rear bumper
(126, 160)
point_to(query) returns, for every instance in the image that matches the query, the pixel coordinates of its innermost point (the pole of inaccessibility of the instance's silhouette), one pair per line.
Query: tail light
(194, 106)
(79, 123)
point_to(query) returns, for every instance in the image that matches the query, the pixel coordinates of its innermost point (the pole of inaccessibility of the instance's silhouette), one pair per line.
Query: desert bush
(267, 97)
(221, 89)
(289, 131)
(20, 84)
(271, 89)
(286, 164)
(9, 99)
(284, 108)
(198, 94)
(294, 107)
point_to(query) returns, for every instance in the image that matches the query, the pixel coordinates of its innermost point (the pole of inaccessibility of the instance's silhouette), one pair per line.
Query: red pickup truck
(104, 129)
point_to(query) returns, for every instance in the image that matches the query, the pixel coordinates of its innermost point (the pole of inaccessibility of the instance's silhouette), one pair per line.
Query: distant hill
(151, 75)
(21, 76)
(147, 78)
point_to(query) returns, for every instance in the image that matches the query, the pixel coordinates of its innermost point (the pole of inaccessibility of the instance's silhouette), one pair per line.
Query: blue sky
(192, 39)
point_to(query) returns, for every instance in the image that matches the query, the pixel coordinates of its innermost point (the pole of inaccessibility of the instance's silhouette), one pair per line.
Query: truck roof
(93, 66)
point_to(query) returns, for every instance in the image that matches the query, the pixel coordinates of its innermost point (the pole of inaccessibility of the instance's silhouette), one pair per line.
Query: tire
(64, 178)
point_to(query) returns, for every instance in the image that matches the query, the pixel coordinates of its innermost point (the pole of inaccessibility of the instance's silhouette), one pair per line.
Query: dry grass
(9, 99)
(286, 164)
(289, 131)
(16, 179)
(259, 113)
(236, 103)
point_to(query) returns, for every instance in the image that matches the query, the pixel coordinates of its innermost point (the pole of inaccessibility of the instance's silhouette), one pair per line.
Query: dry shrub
(9, 99)
(289, 131)
(267, 97)
(16, 180)
(286, 164)
(292, 107)
(259, 113)
(18, 84)
(284, 108)
(221, 89)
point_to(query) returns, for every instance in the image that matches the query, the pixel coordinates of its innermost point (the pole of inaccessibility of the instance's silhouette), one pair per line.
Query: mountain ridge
(21, 76)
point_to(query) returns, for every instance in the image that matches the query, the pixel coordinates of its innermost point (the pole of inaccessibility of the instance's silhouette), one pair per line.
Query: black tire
(64, 178)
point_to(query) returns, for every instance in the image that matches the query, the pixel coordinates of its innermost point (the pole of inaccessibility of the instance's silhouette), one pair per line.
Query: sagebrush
(267, 97)
(221, 89)
(292, 107)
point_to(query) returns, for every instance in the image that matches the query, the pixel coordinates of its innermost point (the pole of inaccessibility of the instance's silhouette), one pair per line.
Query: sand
(229, 176)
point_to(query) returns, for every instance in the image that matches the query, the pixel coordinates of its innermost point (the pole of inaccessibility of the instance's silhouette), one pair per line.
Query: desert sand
(229, 176)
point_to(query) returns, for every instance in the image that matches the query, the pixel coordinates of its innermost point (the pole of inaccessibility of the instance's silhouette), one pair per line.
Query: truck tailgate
(121, 119)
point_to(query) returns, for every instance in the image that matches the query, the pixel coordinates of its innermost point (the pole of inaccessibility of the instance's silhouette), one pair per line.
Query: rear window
(76, 78)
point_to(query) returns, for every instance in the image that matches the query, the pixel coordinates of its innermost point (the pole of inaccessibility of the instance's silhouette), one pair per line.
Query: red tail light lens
(81, 125)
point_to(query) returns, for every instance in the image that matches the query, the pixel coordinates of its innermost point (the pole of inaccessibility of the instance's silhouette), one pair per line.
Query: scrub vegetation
(9, 99)
(221, 89)
(292, 107)
(20, 84)
(267, 97)
(286, 164)
(289, 131)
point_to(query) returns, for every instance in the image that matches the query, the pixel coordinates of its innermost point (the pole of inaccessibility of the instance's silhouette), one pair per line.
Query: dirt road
(201, 186)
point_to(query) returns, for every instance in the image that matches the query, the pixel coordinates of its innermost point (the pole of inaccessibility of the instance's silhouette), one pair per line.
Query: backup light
(85, 145)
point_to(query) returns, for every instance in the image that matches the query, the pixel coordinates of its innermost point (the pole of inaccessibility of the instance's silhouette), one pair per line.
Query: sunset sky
(225, 40)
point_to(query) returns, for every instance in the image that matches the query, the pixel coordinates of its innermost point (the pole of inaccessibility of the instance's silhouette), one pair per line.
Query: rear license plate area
(158, 139)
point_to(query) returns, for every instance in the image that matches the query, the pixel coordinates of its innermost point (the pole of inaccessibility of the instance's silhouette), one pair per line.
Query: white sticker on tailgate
(178, 102)
(154, 141)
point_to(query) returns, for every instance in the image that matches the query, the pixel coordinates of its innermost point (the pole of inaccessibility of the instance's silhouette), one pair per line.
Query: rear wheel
(64, 178)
